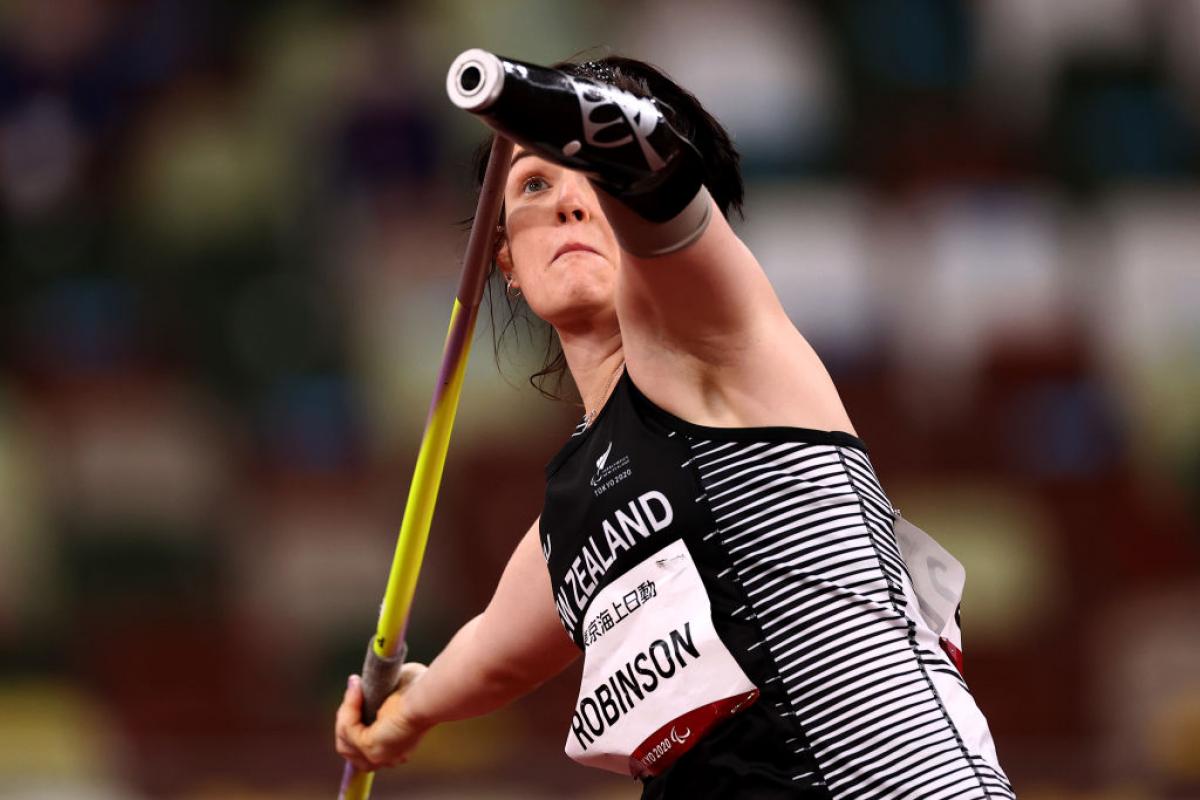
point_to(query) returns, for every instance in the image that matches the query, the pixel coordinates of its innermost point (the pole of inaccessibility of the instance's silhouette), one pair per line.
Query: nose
(572, 204)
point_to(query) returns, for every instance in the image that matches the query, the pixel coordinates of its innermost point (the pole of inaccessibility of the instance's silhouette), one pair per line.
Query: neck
(594, 359)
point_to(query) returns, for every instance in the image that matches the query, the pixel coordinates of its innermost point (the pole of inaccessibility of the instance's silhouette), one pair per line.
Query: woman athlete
(714, 540)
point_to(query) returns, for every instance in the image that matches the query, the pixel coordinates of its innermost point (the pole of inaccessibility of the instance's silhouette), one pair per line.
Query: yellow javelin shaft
(422, 494)
(418, 517)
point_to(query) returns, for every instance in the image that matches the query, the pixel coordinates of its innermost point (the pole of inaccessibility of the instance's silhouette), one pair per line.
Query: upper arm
(706, 336)
(710, 300)
(520, 628)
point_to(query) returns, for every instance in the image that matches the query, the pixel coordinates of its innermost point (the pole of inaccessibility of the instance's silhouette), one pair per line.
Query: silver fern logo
(608, 475)
(600, 462)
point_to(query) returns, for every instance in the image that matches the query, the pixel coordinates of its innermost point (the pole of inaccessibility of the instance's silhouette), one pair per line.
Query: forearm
(513, 647)
(465, 680)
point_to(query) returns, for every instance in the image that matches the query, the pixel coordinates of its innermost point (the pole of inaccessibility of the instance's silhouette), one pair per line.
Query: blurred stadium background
(229, 242)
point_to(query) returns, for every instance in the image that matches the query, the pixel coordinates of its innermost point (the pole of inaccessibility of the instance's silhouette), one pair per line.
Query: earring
(508, 288)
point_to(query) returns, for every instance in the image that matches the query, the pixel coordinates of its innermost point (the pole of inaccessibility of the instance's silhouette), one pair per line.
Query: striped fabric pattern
(808, 532)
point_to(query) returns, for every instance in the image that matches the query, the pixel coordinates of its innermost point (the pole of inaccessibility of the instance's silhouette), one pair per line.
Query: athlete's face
(559, 249)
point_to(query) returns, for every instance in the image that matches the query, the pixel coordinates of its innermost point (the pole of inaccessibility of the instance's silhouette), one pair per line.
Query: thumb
(409, 674)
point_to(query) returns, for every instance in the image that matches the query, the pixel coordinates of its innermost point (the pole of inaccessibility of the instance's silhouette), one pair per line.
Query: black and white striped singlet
(792, 537)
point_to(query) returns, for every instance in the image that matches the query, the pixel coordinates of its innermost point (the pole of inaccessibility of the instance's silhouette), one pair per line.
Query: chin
(581, 301)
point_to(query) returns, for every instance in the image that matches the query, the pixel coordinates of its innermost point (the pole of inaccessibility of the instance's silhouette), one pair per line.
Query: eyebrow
(519, 156)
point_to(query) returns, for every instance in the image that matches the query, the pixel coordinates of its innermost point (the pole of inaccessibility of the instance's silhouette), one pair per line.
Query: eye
(534, 183)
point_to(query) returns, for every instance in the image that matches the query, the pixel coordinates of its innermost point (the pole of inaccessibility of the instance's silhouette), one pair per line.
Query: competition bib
(656, 677)
(932, 597)
(937, 582)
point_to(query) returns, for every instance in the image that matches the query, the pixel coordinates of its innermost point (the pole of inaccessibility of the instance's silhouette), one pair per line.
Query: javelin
(385, 652)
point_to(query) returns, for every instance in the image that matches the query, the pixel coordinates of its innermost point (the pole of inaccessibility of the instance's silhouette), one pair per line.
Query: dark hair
(683, 111)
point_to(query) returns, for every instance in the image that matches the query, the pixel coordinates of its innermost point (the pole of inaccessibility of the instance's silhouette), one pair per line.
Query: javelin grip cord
(380, 677)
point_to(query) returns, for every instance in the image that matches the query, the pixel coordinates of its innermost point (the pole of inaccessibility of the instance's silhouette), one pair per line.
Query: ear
(504, 260)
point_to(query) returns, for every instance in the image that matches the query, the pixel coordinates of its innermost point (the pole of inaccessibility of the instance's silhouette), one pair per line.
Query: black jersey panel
(619, 491)
(615, 494)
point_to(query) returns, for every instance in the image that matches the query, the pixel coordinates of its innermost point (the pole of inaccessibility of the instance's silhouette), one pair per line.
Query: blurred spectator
(228, 249)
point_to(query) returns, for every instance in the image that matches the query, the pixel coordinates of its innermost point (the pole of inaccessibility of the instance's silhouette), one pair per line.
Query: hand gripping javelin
(386, 651)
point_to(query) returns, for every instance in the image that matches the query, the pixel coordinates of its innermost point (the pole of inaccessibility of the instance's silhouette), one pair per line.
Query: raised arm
(514, 646)
(664, 171)
(710, 301)
(702, 330)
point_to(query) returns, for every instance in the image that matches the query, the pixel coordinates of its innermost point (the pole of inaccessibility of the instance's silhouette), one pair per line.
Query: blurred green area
(229, 242)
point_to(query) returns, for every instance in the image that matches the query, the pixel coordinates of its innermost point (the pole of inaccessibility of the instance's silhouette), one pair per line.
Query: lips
(572, 247)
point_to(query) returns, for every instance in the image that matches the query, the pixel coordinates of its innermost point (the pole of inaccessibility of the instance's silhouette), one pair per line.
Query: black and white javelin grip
(622, 142)
(385, 651)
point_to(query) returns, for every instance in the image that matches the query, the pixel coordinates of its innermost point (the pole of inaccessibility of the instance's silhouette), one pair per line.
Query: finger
(350, 732)
(360, 765)
(363, 739)
(348, 749)
(356, 759)
(349, 713)
(348, 723)
(354, 692)
(375, 751)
